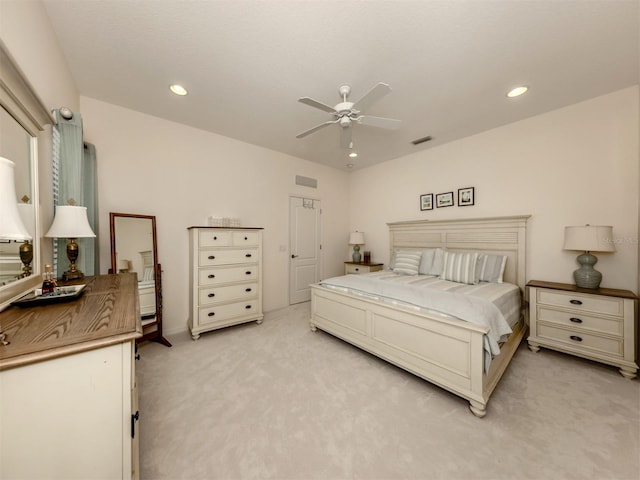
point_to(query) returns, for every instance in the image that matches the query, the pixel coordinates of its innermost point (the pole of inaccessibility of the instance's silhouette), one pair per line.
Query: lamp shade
(70, 221)
(11, 225)
(356, 238)
(589, 238)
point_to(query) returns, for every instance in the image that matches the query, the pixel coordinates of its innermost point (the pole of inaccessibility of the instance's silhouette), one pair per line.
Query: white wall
(183, 175)
(571, 166)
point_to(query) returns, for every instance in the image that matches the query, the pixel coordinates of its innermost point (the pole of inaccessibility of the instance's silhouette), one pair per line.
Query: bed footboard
(446, 352)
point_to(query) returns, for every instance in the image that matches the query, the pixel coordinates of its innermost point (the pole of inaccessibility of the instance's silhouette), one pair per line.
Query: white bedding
(493, 305)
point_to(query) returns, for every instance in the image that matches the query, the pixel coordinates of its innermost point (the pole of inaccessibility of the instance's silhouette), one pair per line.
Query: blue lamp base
(356, 254)
(586, 276)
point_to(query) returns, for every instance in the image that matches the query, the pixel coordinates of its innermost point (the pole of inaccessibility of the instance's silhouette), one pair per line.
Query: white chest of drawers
(599, 325)
(225, 282)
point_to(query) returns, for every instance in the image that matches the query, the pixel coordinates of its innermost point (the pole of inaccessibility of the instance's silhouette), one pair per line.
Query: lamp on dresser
(356, 239)
(587, 239)
(11, 224)
(71, 222)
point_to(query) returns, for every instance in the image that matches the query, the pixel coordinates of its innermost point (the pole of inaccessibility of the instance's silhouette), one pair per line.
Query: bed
(440, 348)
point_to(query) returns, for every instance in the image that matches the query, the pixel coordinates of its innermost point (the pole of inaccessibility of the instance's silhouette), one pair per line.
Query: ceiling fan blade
(345, 137)
(372, 96)
(380, 122)
(316, 128)
(316, 104)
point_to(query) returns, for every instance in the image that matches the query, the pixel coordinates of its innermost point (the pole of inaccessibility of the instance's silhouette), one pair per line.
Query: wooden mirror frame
(151, 331)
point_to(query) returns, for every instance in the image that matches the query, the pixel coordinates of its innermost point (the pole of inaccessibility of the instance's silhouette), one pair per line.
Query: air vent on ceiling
(306, 181)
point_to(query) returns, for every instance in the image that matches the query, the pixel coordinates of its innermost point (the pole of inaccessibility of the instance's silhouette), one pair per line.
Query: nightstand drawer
(580, 302)
(357, 268)
(581, 340)
(579, 320)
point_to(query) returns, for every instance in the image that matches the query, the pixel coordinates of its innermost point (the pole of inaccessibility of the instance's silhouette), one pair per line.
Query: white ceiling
(246, 62)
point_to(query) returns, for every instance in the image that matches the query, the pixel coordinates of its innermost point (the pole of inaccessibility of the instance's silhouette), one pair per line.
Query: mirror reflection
(134, 250)
(16, 257)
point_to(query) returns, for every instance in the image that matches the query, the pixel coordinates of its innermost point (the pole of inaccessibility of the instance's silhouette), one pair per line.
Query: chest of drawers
(225, 282)
(600, 325)
(358, 268)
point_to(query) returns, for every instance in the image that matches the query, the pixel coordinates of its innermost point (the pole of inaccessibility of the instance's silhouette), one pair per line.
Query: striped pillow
(492, 268)
(407, 262)
(460, 267)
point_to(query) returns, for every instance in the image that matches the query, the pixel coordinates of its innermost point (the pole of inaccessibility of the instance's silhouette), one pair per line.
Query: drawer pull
(212, 257)
(248, 272)
(576, 338)
(211, 276)
(215, 238)
(211, 295)
(247, 289)
(248, 255)
(211, 314)
(357, 269)
(246, 238)
(575, 320)
(248, 307)
(575, 302)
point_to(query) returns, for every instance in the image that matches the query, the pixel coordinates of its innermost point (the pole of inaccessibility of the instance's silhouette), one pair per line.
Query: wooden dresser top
(106, 313)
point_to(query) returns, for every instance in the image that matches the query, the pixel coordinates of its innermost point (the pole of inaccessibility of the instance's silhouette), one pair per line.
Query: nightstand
(353, 267)
(597, 324)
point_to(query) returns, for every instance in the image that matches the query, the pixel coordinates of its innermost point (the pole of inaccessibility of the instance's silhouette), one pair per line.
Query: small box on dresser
(599, 324)
(225, 282)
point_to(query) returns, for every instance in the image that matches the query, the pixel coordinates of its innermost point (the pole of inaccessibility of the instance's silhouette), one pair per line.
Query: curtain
(74, 177)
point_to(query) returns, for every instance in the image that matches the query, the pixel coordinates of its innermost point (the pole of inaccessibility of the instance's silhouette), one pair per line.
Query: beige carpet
(277, 401)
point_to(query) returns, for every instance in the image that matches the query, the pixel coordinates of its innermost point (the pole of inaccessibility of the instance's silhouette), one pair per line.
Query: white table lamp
(356, 239)
(11, 224)
(588, 238)
(71, 222)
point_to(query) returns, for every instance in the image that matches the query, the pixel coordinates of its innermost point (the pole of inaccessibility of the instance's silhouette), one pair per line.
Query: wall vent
(306, 181)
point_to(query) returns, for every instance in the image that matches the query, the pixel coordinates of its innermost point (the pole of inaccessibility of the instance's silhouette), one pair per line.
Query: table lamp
(356, 239)
(71, 222)
(11, 225)
(588, 238)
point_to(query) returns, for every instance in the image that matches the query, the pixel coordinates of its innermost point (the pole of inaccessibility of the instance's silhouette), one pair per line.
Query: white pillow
(460, 267)
(491, 268)
(407, 262)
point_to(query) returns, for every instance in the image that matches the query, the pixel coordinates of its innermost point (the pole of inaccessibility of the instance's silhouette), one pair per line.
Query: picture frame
(444, 200)
(466, 196)
(426, 201)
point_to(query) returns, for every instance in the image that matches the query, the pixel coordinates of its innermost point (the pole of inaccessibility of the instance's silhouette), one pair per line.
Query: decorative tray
(60, 294)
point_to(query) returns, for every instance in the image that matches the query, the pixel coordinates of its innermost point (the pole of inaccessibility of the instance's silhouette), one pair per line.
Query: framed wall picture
(426, 201)
(466, 196)
(444, 200)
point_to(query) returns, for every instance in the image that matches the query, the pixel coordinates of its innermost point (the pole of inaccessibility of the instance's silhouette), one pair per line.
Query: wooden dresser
(225, 281)
(68, 397)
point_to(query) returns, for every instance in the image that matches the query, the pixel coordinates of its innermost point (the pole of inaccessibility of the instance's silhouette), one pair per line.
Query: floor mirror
(134, 250)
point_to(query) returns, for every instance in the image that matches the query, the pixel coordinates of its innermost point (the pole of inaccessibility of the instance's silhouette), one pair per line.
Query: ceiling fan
(347, 113)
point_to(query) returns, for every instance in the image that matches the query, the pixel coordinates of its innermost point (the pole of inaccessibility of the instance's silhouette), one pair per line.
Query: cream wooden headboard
(496, 235)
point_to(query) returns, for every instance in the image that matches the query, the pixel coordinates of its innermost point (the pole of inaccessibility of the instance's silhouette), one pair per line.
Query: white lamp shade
(589, 238)
(11, 225)
(356, 238)
(70, 221)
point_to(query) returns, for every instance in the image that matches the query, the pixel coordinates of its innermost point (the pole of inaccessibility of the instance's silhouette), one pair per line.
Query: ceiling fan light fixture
(178, 89)
(353, 154)
(517, 91)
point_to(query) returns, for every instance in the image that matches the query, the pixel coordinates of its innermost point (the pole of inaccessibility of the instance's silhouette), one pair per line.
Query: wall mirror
(134, 250)
(22, 117)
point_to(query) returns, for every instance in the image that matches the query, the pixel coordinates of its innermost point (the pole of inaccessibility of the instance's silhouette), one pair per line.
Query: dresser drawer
(214, 238)
(222, 313)
(244, 238)
(216, 276)
(580, 302)
(579, 320)
(581, 340)
(224, 257)
(229, 293)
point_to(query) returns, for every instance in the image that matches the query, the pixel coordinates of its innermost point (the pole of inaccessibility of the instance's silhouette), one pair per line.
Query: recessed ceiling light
(517, 91)
(353, 154)
(178, 89)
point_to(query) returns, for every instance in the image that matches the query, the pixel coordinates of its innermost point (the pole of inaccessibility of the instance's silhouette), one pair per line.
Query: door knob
(294, 256)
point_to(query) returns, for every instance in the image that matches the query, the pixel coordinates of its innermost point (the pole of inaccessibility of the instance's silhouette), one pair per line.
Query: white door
(304, 247)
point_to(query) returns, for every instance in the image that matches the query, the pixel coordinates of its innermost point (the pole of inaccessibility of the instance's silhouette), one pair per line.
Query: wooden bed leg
(478, 409)
(312, 327)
